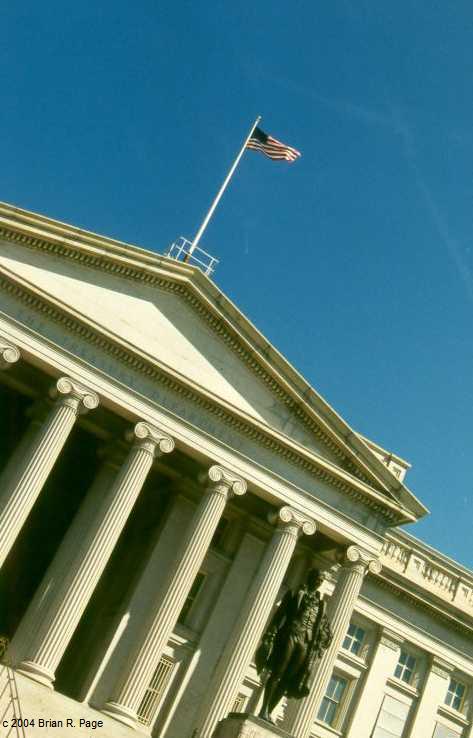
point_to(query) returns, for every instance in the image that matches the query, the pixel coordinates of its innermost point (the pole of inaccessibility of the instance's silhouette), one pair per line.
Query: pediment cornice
(234, 418)
(150, 269)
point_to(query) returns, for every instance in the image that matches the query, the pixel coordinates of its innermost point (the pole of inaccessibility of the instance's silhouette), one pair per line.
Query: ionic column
(9, 354)
(83, 556)
(24, 483)
(434, 691)
(301, 715)
(382, 667)
(218, 630)
(247, 632)
(145, 655)
(41, 601)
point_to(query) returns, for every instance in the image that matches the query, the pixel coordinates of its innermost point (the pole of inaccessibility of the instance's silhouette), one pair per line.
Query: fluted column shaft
(63, 558)
(246, 635)
(24, 483)
(144, 657)
(81, 560)
(301, 715)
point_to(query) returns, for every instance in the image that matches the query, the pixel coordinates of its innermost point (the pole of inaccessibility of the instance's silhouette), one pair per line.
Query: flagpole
(202, 228)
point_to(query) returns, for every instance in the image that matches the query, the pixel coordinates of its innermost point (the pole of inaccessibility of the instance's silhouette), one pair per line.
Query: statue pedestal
(244, 725)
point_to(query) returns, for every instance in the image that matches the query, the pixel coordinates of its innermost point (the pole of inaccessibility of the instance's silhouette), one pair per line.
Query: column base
(34, 671)
(121, 713)
(242, 724)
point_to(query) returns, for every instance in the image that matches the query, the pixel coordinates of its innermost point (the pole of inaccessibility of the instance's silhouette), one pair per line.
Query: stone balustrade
(450, 583)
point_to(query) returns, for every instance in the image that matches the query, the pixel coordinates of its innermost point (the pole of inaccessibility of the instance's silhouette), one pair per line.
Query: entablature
(131, 404)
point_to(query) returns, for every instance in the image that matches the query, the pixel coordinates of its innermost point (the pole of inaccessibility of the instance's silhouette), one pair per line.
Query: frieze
(450, 620)
(232, 340)
(141, 365)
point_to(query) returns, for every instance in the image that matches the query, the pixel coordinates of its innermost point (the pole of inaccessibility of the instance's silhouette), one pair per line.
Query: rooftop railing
(181, 250)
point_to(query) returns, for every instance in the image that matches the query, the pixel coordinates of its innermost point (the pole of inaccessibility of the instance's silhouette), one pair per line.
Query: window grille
(441, 731)
(191, 597)
(156, 690)
(455, 694)
(239, 704)
(391, 719)
(354, 639)
(331, 702)
(405, 667)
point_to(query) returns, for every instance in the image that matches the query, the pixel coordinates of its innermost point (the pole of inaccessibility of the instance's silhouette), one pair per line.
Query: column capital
(69, 392)
(222, 477)
(9, 353)
(150, 438)
(356, 557)
(287, 518)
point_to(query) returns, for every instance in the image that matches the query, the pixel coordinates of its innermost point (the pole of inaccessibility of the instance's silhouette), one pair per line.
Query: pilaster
(433, 694)
(382, 666)
(217, 633)
(247, 632)
(147, 650)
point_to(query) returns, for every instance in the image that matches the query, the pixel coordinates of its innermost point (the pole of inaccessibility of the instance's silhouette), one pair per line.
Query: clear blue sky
(356, 261)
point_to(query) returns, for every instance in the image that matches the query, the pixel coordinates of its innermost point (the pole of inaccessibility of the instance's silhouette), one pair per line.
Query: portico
(189, 470)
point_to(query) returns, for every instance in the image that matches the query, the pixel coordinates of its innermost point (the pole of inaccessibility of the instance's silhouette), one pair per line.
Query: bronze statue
(296, 637)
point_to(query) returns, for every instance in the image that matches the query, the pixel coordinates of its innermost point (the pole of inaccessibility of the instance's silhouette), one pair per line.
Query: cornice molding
(385, 508)
(390, 639)
(120, 266)
(440, 667)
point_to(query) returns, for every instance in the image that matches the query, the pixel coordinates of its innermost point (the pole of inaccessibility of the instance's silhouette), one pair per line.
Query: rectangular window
(405, 667)
(354, 639)
(331, 702)
(391, 719)
(455, 695)
(441, 731)
(156, 690)
(239, 704)
(192, 596)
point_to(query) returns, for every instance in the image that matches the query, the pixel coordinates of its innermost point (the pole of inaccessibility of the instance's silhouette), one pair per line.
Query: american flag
(271, 147)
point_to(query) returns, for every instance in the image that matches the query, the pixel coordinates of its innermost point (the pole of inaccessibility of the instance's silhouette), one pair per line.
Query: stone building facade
(165, 476)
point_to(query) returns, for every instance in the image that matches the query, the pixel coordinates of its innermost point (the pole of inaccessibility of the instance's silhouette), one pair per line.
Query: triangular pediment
(178, 320)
